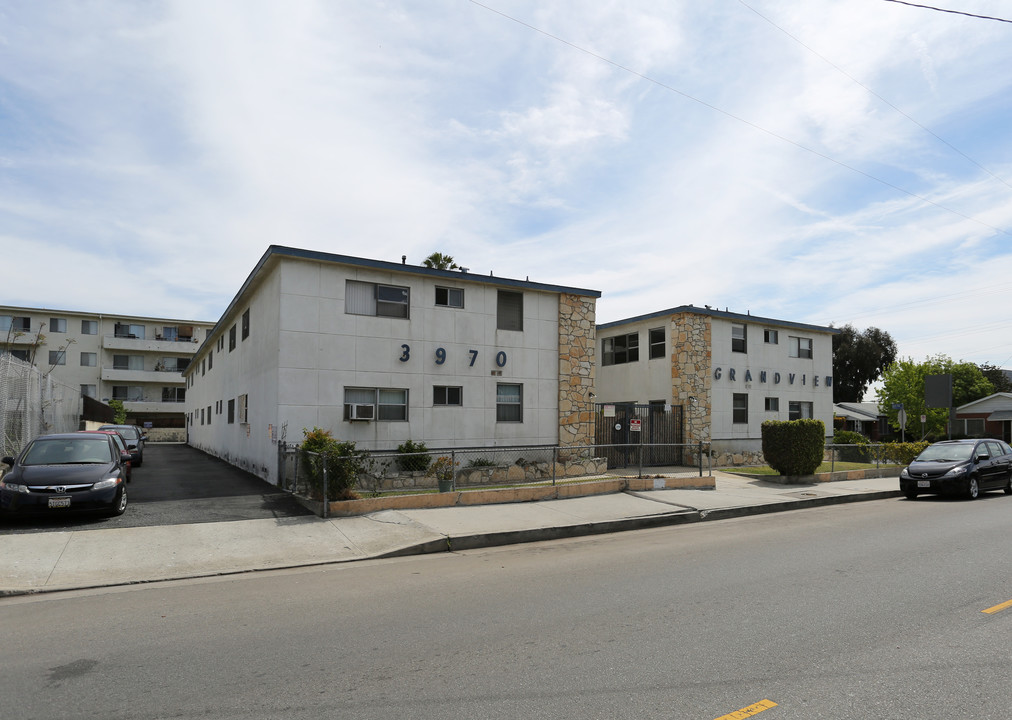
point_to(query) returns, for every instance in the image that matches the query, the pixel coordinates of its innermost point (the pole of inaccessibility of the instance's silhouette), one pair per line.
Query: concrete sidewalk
(54, 561)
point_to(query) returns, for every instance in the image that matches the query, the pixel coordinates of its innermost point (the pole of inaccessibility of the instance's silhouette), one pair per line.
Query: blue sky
(832, 161)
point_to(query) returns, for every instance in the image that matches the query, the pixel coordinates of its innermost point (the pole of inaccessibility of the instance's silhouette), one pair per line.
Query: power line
(954, 12)
(754, 126)
(875, 94)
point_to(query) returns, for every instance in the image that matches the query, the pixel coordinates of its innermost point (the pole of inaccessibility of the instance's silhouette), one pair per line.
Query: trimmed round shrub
(794, 447)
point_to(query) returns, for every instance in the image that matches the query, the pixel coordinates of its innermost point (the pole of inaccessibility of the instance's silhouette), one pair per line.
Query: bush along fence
(324, 468)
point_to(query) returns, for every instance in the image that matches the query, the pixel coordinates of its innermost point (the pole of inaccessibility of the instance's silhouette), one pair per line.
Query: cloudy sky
(826, 161)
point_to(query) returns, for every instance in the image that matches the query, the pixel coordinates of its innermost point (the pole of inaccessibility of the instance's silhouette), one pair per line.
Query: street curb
(455, 543)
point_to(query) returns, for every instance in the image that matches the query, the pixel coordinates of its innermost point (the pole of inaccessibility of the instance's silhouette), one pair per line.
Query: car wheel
(911, 494)
(1008, 488)
(120, 506)
(973, 489)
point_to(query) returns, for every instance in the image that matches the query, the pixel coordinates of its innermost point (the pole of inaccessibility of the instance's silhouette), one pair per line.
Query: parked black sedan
(135, 438)
(65, 473)
(959, 467)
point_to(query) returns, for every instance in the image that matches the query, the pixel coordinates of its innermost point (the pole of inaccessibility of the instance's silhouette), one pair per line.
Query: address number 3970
(441, 355)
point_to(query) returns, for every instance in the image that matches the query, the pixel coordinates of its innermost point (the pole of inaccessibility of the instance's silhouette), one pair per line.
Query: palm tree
(439, 261)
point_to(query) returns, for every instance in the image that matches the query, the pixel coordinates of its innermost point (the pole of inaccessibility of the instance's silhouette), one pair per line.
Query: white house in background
(138, 360)
(381, 353)
(726, 372)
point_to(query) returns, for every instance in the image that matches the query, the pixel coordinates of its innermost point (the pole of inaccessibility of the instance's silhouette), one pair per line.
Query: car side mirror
(124, 456)
(982, 458)
(7, 461)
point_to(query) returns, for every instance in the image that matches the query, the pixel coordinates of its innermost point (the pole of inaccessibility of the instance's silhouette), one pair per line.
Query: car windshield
(126, 431)
(946, 453)
(67, 451)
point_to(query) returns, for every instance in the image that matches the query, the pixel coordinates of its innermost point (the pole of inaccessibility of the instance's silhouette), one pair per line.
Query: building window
(125, 330)
(509, 403)
(772, 404)
(510, 310)
(173, 394)
(799, 410)
(362, 298)
(620, 349)
(449, 297)
(89, 359)
(128, 362)
(58, 325)
(89, 391)
(231, 411)
(231, 338)
(244, 409)
(771, 336)
(210, 359)
(386, 404)
(57, 357)
(89, 327)
(19, 354)
(221, 343)
(800, 347)
(245, 324)
(739, 338)
(128, 393)
(657, 344)
(9, 323)
(739, 412)
(447, 395)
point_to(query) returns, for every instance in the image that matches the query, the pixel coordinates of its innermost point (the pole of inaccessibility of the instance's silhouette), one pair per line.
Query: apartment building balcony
(150, 405)
(160, 377)
(157, 344)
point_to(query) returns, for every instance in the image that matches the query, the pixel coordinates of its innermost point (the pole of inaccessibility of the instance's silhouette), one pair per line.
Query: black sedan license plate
(59, 502)
(924, 483)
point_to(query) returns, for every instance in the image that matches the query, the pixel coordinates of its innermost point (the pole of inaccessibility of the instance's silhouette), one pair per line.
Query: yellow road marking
(749, 711)
(998, 608)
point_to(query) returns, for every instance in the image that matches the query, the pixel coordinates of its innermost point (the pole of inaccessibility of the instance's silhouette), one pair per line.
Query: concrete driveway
(178, 485)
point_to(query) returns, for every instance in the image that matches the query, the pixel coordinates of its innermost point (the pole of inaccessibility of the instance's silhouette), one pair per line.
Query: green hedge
(794, 447)
(343, 461)
(902, 453)
(857, 454)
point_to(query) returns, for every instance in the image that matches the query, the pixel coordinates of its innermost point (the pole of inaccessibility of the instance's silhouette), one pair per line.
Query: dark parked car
(134, 437)
(121, 444)
(66, 473)
(959, 467)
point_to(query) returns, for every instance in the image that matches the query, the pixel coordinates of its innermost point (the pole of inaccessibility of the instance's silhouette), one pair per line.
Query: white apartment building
(725, 372)
(138, 360)
(383, 352)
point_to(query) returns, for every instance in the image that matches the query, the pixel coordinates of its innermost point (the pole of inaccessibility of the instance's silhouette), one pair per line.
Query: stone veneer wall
(577, 344)
(690, 375)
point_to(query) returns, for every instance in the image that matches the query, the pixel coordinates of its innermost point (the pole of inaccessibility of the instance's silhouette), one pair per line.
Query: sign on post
(635, 425)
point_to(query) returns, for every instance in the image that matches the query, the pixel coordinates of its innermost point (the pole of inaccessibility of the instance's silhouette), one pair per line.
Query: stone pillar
(577, 345)
(690, 373)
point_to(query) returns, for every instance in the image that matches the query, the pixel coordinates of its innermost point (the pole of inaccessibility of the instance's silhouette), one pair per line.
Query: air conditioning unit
(361, 412)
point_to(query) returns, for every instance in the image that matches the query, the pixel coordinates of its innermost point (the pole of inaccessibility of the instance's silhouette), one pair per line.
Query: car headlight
(905, 473)
(107, 483)
(13, 487)
(956, 471)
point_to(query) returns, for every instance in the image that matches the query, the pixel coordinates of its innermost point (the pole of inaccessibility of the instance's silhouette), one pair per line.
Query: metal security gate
(660, 431)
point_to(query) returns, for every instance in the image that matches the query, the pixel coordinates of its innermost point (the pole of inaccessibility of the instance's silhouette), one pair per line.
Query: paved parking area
(177, 485)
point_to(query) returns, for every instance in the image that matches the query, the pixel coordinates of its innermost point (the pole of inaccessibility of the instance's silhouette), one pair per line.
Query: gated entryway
(659, 431)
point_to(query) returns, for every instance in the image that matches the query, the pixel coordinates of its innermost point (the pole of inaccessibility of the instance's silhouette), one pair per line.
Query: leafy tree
(903, 382)
(997, 376)
(859, 358)
(119, 412)
(439, 261)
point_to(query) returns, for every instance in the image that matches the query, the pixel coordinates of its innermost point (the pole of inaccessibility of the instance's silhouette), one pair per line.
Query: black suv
(959, 467)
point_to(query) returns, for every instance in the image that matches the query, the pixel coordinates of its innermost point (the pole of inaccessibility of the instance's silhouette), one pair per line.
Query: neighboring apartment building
(380, 353)
(138, 360)
(725, 372)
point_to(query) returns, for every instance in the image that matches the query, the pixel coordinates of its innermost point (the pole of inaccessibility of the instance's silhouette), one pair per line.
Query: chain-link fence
(32, 404)
(314, 477)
